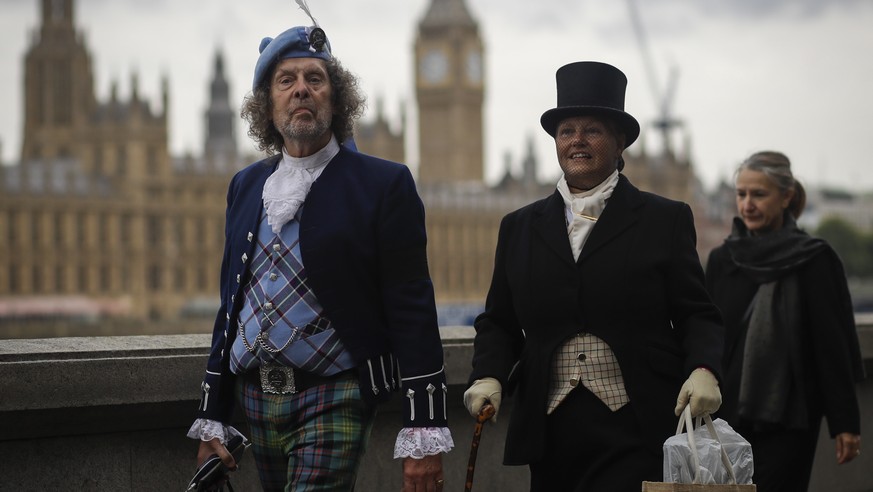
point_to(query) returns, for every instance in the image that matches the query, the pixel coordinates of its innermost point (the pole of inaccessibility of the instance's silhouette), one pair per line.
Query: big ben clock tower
(450, 87)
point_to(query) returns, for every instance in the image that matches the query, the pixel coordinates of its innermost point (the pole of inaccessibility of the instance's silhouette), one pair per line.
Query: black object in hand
(210, 474)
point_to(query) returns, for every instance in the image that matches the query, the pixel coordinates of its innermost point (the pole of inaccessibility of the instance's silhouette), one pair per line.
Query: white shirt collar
(286, 189)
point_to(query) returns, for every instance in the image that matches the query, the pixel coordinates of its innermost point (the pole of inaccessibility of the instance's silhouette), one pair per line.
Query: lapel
(250, 199)
(619, 214)
(245, 215)
(550, 224)
(323, 198)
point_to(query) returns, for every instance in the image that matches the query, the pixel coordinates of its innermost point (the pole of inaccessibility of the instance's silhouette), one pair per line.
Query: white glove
(701, 392)
(481, 391)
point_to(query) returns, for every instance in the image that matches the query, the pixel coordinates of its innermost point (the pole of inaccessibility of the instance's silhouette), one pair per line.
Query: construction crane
(664, 122)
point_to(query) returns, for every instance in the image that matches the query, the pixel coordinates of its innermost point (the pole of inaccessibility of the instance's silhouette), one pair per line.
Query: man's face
(588, 151)
(301, 96)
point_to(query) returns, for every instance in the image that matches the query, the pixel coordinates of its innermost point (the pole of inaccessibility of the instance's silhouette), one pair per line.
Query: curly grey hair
(346, 98)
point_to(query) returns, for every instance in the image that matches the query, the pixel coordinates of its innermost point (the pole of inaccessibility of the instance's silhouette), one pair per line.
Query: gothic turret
(220, 148)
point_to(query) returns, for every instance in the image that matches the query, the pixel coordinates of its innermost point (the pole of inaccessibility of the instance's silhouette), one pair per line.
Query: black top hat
(591, 88)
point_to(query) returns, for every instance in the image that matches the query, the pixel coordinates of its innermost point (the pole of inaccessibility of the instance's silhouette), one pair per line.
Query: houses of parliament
(102, 227)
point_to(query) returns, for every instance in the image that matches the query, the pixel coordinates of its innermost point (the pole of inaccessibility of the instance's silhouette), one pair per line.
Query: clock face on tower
(473, 67)
(434, 66)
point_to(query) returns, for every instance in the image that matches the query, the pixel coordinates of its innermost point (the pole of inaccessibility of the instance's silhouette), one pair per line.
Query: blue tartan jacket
(363, 243)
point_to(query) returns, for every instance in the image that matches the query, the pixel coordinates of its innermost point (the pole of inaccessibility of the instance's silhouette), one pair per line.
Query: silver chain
(260, 341)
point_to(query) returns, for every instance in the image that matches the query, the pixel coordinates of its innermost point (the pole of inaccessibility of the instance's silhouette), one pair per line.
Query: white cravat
(286, 189)
(583, 209)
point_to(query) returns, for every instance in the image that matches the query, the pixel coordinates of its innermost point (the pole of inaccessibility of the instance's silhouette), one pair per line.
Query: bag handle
(685, 422)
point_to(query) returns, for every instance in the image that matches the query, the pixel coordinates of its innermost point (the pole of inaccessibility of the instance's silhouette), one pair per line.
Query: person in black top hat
(597, 319)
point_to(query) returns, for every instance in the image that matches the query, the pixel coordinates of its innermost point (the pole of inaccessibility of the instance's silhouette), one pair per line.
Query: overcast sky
(789, 75)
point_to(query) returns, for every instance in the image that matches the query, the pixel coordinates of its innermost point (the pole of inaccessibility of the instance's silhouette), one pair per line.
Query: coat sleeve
(834, 342)
(409, 305)
(499, 337)
(694, 315)
(216, 397)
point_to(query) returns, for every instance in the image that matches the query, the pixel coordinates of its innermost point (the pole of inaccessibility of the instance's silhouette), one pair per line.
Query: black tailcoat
(637, 284)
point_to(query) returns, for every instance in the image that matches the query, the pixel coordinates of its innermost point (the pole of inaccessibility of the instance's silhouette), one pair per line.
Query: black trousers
(783, 458)
(591, 448)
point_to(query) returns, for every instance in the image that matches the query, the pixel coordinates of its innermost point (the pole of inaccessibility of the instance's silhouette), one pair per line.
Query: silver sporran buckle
(277, 379)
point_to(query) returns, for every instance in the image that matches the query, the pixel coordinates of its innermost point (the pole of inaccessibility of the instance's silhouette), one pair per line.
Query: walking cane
(485, 413)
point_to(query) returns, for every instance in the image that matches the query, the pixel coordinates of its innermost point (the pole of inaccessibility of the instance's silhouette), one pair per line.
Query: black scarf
(771, 385)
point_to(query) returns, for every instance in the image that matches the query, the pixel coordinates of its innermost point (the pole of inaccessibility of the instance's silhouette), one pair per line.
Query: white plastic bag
(710, 454)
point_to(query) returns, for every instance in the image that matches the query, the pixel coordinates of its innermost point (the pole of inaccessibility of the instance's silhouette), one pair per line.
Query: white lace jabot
(583, 209)
(286, 189)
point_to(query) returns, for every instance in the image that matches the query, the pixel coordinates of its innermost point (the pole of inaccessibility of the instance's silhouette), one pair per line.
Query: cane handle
(485, 413)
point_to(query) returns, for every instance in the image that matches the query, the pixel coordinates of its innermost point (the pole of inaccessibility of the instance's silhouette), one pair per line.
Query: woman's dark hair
(777, 167)
(613, 126)
(347, 101)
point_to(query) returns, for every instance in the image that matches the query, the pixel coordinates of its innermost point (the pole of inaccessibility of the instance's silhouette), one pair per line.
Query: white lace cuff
(418, 442)
(207, 430)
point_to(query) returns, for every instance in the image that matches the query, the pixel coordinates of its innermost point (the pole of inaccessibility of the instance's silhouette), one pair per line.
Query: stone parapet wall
(110, 413)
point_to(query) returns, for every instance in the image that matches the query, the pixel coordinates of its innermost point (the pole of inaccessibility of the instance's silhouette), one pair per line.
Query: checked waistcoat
(281, 320)
(587, 360)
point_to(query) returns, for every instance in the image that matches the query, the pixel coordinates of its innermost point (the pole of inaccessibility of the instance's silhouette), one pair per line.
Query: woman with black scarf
(791, 351)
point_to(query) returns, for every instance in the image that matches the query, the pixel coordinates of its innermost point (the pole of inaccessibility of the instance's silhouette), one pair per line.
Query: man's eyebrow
(301, 70)
(283, 71)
